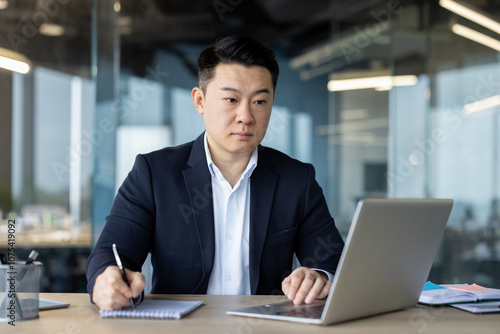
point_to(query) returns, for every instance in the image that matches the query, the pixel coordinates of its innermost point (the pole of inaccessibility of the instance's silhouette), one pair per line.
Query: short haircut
(241, 50)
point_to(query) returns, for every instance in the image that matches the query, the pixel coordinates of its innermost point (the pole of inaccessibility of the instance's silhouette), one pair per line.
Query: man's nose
(245, 114)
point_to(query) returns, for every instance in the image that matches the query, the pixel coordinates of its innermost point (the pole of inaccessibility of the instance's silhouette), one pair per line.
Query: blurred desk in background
(63, 252)
(76, 236)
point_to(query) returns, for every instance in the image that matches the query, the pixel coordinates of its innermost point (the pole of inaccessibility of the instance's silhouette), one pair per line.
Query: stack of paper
(484, 307)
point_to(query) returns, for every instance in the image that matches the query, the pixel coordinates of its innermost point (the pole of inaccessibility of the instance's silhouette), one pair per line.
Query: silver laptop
(385, 263)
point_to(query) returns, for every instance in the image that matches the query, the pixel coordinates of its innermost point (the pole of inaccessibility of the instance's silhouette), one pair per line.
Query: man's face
(236, 108)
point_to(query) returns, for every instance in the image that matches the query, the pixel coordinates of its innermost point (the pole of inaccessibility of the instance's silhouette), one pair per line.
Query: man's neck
(231, 166)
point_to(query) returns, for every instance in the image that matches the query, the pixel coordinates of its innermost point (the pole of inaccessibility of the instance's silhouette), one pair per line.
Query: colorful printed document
(434, 294)
(481, 292)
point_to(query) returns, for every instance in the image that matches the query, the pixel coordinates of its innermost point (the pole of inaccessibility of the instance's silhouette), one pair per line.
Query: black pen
(120, 266)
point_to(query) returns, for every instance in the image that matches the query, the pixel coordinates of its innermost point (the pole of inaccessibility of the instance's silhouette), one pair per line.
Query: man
(221, 214)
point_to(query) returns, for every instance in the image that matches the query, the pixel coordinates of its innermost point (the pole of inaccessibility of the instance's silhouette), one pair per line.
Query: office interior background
(100, 81)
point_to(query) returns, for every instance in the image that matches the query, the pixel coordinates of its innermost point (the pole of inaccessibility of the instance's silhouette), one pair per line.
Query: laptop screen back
(387, 257)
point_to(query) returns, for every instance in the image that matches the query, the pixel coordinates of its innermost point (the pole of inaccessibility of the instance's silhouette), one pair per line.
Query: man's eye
(260, 102)
(230, 100)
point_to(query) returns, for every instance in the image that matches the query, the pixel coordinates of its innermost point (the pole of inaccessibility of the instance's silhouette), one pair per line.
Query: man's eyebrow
(263, 90)
(258, 91)
(230, 89)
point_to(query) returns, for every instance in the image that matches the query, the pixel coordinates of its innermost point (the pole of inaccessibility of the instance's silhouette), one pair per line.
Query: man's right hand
(112, 293)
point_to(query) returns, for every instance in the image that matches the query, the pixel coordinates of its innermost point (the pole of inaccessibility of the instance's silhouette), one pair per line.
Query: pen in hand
(124, 276)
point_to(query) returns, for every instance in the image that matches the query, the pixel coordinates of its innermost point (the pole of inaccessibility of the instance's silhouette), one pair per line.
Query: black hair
(240, 50)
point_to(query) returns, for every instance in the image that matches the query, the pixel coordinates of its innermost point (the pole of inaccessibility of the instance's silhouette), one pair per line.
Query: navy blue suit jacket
(165, 207)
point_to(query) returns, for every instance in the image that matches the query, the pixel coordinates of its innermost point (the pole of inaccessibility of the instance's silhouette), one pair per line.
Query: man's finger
(305, 286)
(315, 290)
(326, 290)
(137, 282)
(117, 283)
(296, 278)
(285, 285)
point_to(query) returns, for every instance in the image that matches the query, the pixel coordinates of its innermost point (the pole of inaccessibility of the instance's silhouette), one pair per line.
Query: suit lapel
(199, 187)
(262, 187)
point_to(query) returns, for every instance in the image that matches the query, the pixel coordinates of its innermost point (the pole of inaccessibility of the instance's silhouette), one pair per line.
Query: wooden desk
(83, 318)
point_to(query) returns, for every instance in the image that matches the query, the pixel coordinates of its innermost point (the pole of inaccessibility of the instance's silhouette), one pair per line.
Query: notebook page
(155, 309)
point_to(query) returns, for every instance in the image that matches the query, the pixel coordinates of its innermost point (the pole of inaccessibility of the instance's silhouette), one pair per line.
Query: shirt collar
(252, 163)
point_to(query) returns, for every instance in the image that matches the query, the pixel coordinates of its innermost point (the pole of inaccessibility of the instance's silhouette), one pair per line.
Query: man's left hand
(304, 284)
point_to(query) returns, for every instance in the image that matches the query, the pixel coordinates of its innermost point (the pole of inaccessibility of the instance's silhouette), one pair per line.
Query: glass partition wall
(434, 133)
(46, 114)
(447, 133)
(114, 79)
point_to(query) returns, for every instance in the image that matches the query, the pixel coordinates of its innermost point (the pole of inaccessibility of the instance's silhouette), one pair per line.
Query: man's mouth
(242, 135)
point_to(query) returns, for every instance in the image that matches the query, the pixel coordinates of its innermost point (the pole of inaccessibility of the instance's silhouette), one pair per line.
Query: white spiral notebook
(155, 309)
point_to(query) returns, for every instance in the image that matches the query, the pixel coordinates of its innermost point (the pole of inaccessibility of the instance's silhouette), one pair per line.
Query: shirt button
(229, 236)
(228, 278)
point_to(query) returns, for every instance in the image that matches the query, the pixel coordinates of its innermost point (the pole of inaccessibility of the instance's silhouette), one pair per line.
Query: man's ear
(198, 99)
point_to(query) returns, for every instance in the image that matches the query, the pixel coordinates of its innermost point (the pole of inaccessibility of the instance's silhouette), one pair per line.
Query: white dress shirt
(231, 269)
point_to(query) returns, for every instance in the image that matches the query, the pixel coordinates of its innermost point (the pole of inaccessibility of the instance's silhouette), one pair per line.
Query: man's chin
(243, 149)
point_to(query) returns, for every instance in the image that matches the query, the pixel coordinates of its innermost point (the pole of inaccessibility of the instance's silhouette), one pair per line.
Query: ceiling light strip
(470, 14)
(476, 36)
(372, 82)
(14, 65)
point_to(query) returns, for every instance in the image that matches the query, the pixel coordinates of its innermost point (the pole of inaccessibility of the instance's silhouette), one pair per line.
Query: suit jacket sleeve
(319, 244)
(130, 225)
